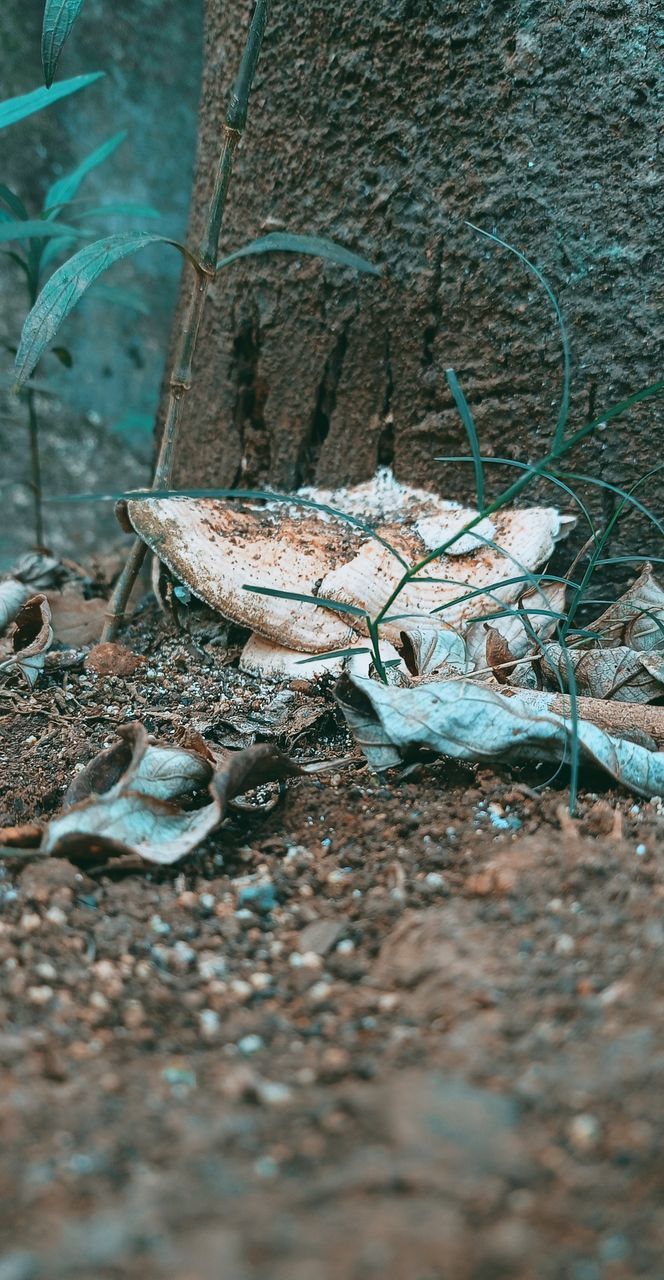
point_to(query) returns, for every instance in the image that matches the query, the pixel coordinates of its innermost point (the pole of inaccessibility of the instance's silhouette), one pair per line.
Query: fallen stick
(624, 719)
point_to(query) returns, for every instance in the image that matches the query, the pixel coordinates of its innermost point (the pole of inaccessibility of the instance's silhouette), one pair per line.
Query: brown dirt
(429, 1048)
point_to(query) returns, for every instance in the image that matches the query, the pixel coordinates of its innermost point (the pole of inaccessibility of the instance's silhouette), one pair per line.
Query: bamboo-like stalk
(205, 271)
(35, 469)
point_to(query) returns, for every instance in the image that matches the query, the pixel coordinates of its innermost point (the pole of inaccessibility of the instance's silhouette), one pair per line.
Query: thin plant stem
(205, 271)
(35, 468)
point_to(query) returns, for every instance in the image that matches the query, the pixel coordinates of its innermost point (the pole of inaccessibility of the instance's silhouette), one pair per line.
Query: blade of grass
(563, 412)
(471, 431)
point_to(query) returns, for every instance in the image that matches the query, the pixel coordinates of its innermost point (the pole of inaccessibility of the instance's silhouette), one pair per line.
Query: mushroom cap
(218, 547)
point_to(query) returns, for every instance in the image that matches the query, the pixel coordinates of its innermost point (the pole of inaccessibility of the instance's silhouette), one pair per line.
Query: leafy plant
(35, 242)
(15, 109)
(59, 18)
(68, 284)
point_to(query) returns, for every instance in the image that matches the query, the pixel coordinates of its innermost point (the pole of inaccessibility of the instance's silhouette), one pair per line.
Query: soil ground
(406, 1027)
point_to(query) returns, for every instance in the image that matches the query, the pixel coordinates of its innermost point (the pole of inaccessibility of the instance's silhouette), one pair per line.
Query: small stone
(184, 955)
(47, 972)
(133, 1015)
(272, 1093)
(250, 1044)
(565, 945)
(160, 926)
(29, 922)
(584, 1132)
(261, 981)
(40, 995)
(210, 1022)
(319, 992)
(259, 897)
(56, 916)
(320, 936)
(241, 989)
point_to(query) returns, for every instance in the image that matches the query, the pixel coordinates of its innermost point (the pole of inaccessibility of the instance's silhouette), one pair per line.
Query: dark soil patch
(406, 1028)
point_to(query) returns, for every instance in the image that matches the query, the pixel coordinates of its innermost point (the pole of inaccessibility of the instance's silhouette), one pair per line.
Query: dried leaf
(130, 799)
(637, 617)
(429, 651)
(499, 656)
(468, 721)
(40, 570)
(535, 615)
(31, 636)
(76, 621)
(620, 673)
(13, 594)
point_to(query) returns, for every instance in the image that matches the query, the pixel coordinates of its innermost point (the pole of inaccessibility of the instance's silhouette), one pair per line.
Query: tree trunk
(385, 126)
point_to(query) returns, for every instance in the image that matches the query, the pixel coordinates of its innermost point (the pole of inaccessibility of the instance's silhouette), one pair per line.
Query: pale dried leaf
(429, 651)
(31, 636)
(76, 621)
(129, 800)
(620, 673)
(468, 721)
(13, 594)
(636, 619)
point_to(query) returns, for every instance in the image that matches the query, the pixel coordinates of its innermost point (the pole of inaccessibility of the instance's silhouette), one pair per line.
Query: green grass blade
(12, 202)
(471, 431)
(627, 494)
(15, 109)
(66, 188)
(284, 242)
(563, 412)
(332, 653)
(321, 601)
(59, 18)
(68, 285)
(548, 476)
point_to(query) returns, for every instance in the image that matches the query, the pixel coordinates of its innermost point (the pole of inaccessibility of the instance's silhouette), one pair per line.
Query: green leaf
(471, 431)
(65, 188)
(12, 202)
(321, 601)
(68, 285)
(284, 242)
(34, 230)
(126, 210)
(15, 109)
(59, 18)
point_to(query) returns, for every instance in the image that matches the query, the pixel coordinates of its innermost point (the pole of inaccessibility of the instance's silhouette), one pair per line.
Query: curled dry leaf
(13, 594)
(429, 651)
(40, 571)
(622, 673)
(133, 798)
(217, 548)
(469, 721)
(636, 619)
(499, 656)
(31, 635)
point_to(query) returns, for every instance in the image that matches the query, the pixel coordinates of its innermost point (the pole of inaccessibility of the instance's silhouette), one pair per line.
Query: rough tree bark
(385, 126)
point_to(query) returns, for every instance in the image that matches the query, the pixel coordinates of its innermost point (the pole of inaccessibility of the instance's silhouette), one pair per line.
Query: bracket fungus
(350, 547)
